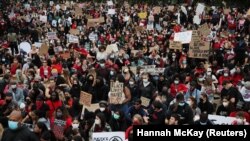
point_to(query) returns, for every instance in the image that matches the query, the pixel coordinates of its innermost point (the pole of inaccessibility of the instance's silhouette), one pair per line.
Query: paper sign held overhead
(43, 50)
(112, 48)
(175, 45)
(111, 11)
(85, 99)
(110, 3)
(183, 37)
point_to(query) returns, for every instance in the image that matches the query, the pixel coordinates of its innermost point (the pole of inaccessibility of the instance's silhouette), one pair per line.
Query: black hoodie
(21, 134)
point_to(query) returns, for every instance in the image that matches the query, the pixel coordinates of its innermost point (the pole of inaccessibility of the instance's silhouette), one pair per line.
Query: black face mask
(8, 101)
(28, 102)
(67, 98)
(201, 100)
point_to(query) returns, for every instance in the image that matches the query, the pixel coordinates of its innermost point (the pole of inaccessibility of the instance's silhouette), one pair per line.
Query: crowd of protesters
(37, 90)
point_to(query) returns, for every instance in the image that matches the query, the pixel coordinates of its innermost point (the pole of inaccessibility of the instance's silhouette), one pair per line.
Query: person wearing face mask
(54, 102)
(205, 105)
(134, 91)
(146, 88)
(89, 87)
(75, 90)
(181, 108)
(193, 91)
(100, 125)
(177, 86)
(118, 121)
(61, 114)
(68, 100)
(104, 109)
(18, 94)
(17, 131)
(73, 131)
(225, 108)
(102, 70)
(7, 105)
(224, 77)
(191, 101)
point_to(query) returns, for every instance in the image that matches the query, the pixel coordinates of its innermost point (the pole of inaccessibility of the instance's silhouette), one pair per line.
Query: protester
(65, 64)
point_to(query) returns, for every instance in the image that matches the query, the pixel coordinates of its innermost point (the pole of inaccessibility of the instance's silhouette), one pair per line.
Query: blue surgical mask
(13, 125)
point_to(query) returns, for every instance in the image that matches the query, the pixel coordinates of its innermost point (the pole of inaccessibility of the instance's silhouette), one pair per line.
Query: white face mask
(176, 81)
(209, 73)
(131, 82)
(200, 79)
(145, 80)
(102, 109)
(111, 73)
(97, 121)
(226, 74)
(75, 125)
(225, 104)
(189, 102)
(239, 121)
(13, 86)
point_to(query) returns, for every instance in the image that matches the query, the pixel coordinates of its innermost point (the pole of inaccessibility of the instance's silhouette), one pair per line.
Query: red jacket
(42, 72)
(53, 106)
(174, 89)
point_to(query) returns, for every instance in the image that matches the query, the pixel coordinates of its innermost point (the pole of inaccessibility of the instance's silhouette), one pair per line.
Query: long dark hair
(102, 118)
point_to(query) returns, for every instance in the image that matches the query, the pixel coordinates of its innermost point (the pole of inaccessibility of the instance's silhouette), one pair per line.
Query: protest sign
(199, 49)
(44, 49)
(74, 31)
(150, 26)
(52, 35)
(58, 128)
(221, 120)
(154, 71)
(110, 3)
(111, 48)
(58, 49)
(85, 99)
(78, 11)
(116, 93)
(171, 8)
(108, 136)
(93, 22)
(145, 101)
(25, 46)
(111, 11)
(73, 39)
(199, 9)
(175, 45)
(183, 37)
(204, 30)
(43, 19)
(157, 9)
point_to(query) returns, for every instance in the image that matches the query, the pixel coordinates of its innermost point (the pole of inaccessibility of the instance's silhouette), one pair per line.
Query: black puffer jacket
(21, 134)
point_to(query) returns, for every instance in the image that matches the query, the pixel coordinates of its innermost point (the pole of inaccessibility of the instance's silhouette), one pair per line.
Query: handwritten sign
(175, 45)
(58, 128)
(204, 30)
(112, 48)
(93, 22)
(116, 93)
(73, 39)
(85, 99)
(52, 35)
(44, 49)
(198, 49)
(111, 11)
(145, 101)
(74, 31)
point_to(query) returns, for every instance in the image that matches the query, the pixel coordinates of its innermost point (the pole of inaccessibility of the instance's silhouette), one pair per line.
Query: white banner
(109, 136)
(73, 39)
(183, 37)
